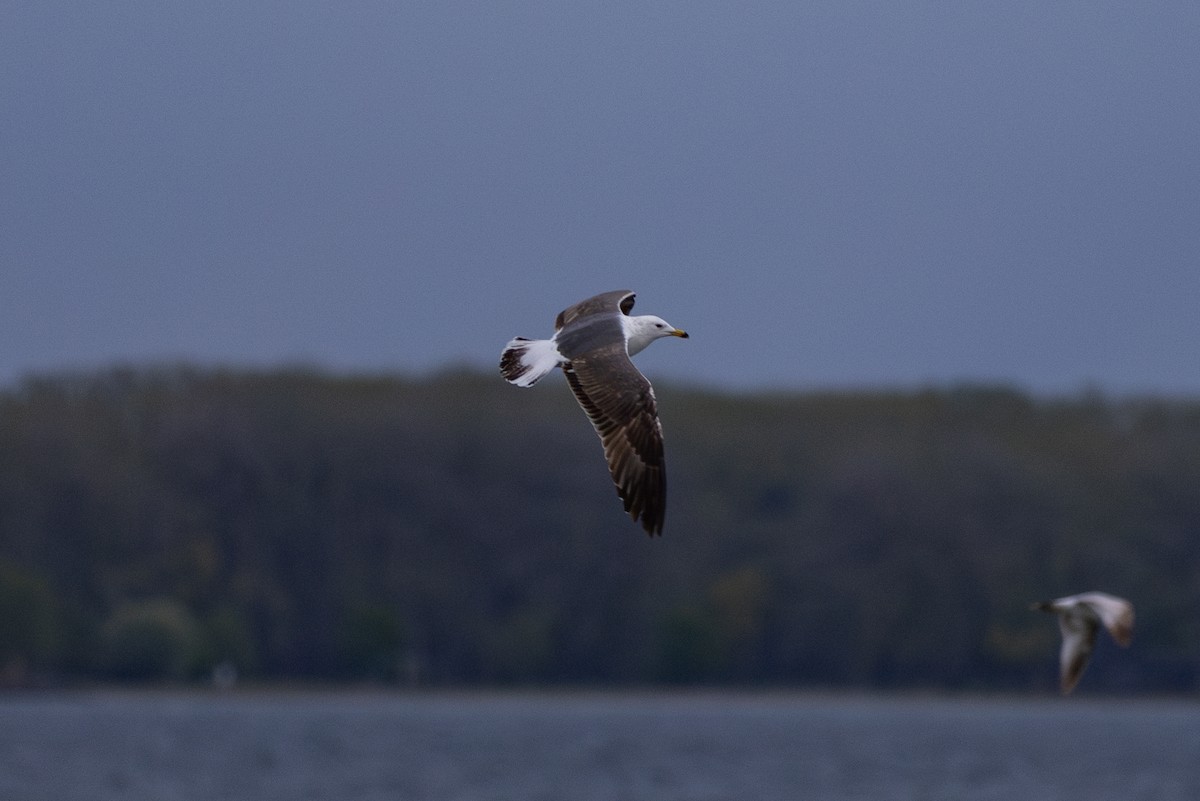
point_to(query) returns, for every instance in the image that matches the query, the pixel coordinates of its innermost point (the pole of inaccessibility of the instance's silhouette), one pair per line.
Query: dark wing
(1078, 629)
(618, 300)
(620, 403)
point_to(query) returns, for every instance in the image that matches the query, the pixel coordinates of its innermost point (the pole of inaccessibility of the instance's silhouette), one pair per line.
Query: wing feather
(1079, 637)
(618, 300)
(1115, 613)
(620, 403)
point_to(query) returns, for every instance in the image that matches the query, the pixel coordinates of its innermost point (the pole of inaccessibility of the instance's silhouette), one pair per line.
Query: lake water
(610, 746)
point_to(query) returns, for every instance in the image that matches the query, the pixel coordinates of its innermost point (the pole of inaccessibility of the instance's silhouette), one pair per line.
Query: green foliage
(520, 647)
(370, 643)
(458, 530)
(29, 626)
(149, 640)
(689, 647)
(721, 637)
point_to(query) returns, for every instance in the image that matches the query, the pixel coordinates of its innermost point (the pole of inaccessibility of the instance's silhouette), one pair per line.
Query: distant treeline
(157, 523)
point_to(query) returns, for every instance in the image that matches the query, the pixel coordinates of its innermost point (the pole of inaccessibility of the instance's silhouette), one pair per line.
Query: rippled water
(525, 747)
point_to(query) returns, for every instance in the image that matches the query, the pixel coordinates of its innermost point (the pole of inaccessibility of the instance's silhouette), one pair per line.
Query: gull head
(642, 330)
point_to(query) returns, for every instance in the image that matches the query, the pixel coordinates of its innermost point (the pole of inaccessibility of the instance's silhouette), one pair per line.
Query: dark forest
(453, 530)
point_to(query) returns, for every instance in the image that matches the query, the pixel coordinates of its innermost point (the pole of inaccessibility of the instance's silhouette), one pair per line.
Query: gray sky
(844, 194)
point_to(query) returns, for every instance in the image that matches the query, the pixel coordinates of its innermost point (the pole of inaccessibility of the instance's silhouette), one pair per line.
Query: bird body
(592, 343)
(1079, 618)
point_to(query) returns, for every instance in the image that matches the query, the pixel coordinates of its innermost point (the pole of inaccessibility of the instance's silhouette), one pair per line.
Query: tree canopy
(157, 522)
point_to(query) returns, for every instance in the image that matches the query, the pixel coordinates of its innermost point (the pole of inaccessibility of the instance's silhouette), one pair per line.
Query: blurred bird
(1078, 618)
(592, 342)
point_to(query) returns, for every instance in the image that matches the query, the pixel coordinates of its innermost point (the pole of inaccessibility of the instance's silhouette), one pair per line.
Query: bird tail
(525, 361)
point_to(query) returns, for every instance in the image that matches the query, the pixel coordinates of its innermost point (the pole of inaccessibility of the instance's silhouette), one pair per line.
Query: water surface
(559, 746)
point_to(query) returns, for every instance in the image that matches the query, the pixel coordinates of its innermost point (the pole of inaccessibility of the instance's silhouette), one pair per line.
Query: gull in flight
(1079, 616)
(592, 343)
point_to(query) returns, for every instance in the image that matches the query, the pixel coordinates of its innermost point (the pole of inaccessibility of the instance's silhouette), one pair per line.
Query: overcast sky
(837, 195)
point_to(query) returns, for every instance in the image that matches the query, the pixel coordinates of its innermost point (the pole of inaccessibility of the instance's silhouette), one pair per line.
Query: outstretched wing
(1078, 629)
(620, 403)
(1115, 613)
(618, 300)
